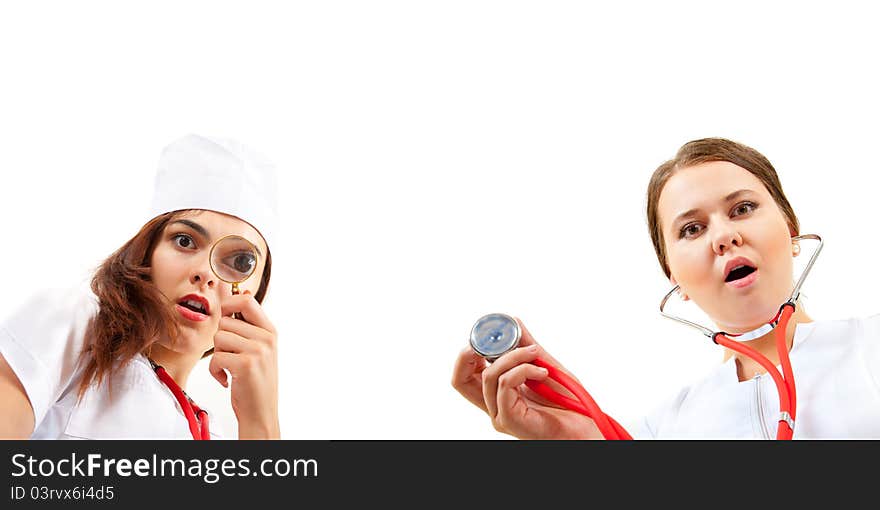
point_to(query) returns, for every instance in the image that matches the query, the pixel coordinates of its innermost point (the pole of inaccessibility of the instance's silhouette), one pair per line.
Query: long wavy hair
(132, 312)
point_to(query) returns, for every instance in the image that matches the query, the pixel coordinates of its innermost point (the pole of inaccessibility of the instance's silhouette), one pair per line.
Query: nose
(726, 236)
(202, 275)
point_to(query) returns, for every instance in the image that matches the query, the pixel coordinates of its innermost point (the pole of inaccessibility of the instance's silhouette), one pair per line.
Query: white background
(440, 160)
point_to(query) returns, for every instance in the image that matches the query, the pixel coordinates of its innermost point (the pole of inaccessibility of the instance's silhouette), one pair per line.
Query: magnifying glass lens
(233, 259)
(242, 263)
(494, 334)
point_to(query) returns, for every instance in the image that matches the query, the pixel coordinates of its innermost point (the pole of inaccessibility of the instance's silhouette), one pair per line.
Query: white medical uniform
(836, 366)
(41, 342)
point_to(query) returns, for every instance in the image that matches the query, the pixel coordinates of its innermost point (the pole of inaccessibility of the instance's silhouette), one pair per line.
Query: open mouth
(739, 272)
(196, 304)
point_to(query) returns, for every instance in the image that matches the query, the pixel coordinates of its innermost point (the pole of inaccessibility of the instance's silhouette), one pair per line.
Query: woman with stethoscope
(725, 235)
(110, 360)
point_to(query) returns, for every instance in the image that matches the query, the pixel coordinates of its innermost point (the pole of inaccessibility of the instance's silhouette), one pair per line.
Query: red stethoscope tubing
(196, 416)
(584, 404)
(785, 386)
(611, 429)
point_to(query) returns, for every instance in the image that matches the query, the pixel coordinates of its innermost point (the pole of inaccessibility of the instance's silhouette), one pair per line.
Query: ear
(684, 297)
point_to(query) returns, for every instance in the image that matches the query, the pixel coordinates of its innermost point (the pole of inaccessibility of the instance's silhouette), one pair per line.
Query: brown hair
(132, 312)
(702, 151)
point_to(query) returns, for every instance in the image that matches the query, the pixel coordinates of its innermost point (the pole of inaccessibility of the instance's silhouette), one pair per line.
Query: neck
(746, 368)
(178, 365)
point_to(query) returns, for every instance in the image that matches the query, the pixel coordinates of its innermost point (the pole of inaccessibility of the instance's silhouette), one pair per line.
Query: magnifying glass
(495, 334)
(233, 260)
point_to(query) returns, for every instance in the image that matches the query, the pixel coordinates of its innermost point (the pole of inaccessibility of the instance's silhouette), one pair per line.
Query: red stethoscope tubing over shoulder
(611, 429)
(196, 416)
(785, 386)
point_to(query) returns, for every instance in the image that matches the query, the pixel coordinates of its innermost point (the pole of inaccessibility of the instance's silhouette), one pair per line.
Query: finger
(245, 330)
(553, 385)
(466, 363)
(225, 341)
(220, 363)
(491, 374)
(528, 339)
(467, 378)
(249, 309)
(508, 387)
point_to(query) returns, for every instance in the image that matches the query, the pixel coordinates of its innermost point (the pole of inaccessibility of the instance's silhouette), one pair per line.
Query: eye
(183, 241)
(743, 208)
(242, 262)
(690, 230)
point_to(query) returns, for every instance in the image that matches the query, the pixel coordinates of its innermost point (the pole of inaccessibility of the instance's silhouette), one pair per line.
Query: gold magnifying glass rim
(211, 258)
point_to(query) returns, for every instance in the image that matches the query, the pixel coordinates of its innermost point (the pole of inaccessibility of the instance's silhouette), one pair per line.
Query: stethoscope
(785, 386)
(496, 334)
(233, 260)
(195, 415)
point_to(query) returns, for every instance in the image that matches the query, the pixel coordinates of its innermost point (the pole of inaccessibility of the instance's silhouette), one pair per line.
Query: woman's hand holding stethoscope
(500, 389)
(246, 345)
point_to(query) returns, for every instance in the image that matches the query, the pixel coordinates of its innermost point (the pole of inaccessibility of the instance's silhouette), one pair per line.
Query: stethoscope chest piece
(495, 334)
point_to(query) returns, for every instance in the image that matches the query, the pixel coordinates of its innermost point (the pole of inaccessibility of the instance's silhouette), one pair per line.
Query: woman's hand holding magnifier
(248, 348)
(499, 388)
(245, 344)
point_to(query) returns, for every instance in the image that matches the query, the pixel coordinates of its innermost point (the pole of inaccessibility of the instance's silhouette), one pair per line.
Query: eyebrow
(195, 226)
(693, 212)
(204, 233)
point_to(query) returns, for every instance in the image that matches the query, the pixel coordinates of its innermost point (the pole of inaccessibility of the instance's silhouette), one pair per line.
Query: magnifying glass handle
(235, 292)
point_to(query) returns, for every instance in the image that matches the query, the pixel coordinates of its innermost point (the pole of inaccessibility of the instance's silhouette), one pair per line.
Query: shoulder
(47, 307)
(846, 331)
(664, 418)
(42, 341)
(871, 323)
(55, 318)
(50, 317)
(662, 414)
(867, 335)
(132, 404)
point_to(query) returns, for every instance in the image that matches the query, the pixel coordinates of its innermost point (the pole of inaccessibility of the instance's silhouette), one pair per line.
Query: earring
(795, 249)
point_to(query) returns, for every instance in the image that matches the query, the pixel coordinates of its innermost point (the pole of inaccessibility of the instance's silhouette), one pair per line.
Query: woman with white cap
(110, 360)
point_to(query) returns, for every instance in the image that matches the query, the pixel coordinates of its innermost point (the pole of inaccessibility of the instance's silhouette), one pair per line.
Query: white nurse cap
(217, 174)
